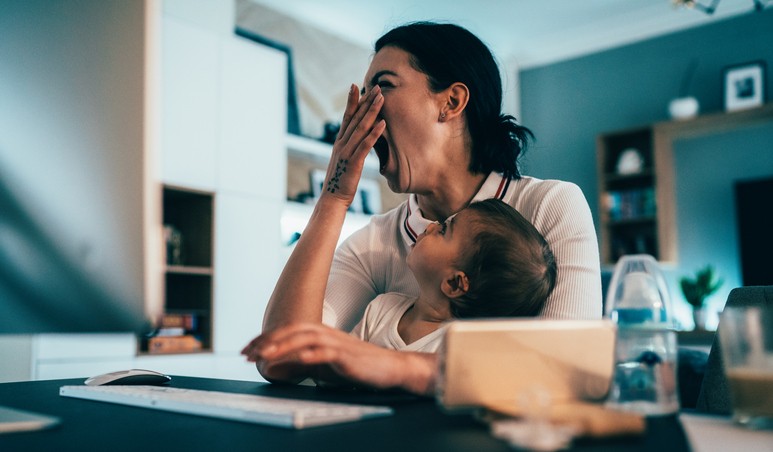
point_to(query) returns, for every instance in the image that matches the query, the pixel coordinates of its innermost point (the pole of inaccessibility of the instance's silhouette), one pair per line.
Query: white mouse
(129, 377)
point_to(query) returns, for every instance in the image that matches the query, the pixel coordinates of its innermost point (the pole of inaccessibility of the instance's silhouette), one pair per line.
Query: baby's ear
(455, 285)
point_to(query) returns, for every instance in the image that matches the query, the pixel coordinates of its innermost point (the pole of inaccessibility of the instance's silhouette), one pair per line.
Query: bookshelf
(638, 208)
(627, 186)
(186, 325)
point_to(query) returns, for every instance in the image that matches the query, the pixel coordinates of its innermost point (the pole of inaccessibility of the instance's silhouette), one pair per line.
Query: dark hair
(447, 54)
(510, 266)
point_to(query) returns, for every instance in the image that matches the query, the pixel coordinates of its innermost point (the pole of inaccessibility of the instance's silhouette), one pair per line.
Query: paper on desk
(708, 433)
(588, 419)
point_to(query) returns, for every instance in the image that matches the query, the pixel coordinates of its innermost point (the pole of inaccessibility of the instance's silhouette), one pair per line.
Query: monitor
(754, 226)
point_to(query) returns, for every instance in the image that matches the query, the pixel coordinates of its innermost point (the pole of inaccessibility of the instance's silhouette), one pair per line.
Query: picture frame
(744, 85)
(293, 110)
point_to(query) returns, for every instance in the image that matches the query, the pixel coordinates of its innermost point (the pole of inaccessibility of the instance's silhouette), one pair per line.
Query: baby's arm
(299, 292)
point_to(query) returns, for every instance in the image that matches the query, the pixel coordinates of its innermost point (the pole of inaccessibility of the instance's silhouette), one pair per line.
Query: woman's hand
(360, 128)
(300, 291)
(307, 349)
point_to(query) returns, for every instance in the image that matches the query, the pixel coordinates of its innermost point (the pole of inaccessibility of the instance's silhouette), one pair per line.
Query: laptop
(504, 364)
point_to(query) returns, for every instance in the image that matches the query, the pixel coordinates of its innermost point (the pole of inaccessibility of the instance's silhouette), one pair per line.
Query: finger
(320, 355)
(292, 345)
(352, 102)
(357, 160)
(365, 115)
(361, 104)
(369, 141)
(254, 349)
(253, 344)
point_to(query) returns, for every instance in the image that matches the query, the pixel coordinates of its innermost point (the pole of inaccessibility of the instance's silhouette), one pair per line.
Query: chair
(714, 396)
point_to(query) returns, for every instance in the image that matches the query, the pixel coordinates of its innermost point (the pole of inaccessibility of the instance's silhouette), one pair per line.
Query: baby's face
(439, 248)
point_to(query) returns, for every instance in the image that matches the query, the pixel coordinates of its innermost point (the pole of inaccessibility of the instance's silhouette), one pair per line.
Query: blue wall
(569, 103)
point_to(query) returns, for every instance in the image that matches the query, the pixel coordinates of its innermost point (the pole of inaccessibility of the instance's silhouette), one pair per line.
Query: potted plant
(697, 289)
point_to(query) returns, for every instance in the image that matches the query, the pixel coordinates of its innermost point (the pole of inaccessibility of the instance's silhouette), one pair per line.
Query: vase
(683, 108)
(699, 316)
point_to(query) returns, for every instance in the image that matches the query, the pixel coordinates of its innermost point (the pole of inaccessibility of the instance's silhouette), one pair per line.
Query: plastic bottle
(638, 302)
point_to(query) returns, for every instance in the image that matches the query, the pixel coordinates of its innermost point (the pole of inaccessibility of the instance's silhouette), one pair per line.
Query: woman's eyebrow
(376, 76)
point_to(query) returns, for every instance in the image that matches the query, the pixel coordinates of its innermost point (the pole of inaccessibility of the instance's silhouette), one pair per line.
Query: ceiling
(523, 33)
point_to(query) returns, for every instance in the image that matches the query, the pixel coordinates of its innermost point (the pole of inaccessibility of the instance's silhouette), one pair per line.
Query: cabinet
(234, 191)
(627, 188)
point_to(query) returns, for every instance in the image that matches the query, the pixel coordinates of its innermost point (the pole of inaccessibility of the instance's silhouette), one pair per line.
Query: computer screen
(76, 182)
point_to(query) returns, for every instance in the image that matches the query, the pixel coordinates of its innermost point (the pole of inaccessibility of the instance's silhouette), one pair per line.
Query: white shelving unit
(222, 131)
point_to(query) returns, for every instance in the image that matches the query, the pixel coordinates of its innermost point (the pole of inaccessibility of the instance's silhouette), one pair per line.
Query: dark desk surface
(418, 424)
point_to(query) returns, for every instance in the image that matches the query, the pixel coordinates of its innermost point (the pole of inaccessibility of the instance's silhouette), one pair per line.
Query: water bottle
(638, 301)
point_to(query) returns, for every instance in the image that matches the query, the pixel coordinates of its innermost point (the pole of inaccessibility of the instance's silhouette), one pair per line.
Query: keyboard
(274, 411)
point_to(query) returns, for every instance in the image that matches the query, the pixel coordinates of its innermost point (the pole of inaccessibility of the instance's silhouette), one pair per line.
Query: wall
(568, 103)
(324, 64)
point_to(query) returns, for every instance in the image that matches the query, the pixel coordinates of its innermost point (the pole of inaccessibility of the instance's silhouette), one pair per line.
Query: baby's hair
(510, 266)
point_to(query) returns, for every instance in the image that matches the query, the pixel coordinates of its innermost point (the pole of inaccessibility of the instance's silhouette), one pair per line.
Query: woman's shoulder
(532, 186)
(531, 193)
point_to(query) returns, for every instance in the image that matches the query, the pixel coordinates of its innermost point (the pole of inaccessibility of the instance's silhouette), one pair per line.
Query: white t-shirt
(372, 260)
(379, 325)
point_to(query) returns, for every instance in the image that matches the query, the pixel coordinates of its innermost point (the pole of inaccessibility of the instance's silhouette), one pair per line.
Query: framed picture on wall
(744, 85)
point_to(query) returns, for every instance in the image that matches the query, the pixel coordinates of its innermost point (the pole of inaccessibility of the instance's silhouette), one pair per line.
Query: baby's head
(509, 264)
(496, 263)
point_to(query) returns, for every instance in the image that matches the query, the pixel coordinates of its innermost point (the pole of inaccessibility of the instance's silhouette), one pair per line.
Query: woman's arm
(338, 355)
(299, 292)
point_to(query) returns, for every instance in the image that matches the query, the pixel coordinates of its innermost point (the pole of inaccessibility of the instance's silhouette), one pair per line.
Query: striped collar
(414, 222)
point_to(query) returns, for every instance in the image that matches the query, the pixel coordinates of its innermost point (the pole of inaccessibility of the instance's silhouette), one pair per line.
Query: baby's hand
(359, 131)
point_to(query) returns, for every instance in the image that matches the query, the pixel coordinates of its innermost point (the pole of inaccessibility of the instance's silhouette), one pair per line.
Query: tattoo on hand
(332, 184)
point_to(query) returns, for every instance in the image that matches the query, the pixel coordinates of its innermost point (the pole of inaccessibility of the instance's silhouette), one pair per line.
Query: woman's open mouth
(382, 151)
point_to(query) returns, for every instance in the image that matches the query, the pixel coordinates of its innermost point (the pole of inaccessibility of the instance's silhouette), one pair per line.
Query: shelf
(304, 147)
(641, 176)
(631, 221)
(296, 215)
(187, 270)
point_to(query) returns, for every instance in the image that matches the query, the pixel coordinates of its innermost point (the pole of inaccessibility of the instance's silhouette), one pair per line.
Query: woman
(431, 108)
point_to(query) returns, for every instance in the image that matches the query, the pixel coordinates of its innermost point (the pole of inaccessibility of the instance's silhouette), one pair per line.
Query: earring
(443, 115)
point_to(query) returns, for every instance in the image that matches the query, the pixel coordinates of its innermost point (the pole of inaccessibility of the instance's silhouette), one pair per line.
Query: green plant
(697, 289)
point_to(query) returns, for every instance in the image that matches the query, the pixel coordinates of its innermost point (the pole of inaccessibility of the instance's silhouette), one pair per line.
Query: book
(186, 321)
(174, 344)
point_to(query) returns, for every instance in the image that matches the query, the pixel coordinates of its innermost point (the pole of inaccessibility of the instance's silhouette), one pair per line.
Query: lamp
(709, 9)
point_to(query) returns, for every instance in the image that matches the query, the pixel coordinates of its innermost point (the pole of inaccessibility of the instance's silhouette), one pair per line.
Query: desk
(418, 424)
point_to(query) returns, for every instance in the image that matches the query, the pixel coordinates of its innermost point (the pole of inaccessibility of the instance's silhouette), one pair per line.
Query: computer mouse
(129, 377)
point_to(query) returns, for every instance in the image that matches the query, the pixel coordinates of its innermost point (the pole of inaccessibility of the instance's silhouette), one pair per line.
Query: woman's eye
(384, 84)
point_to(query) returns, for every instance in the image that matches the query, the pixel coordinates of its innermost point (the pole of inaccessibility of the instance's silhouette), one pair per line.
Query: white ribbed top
(372, 260)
